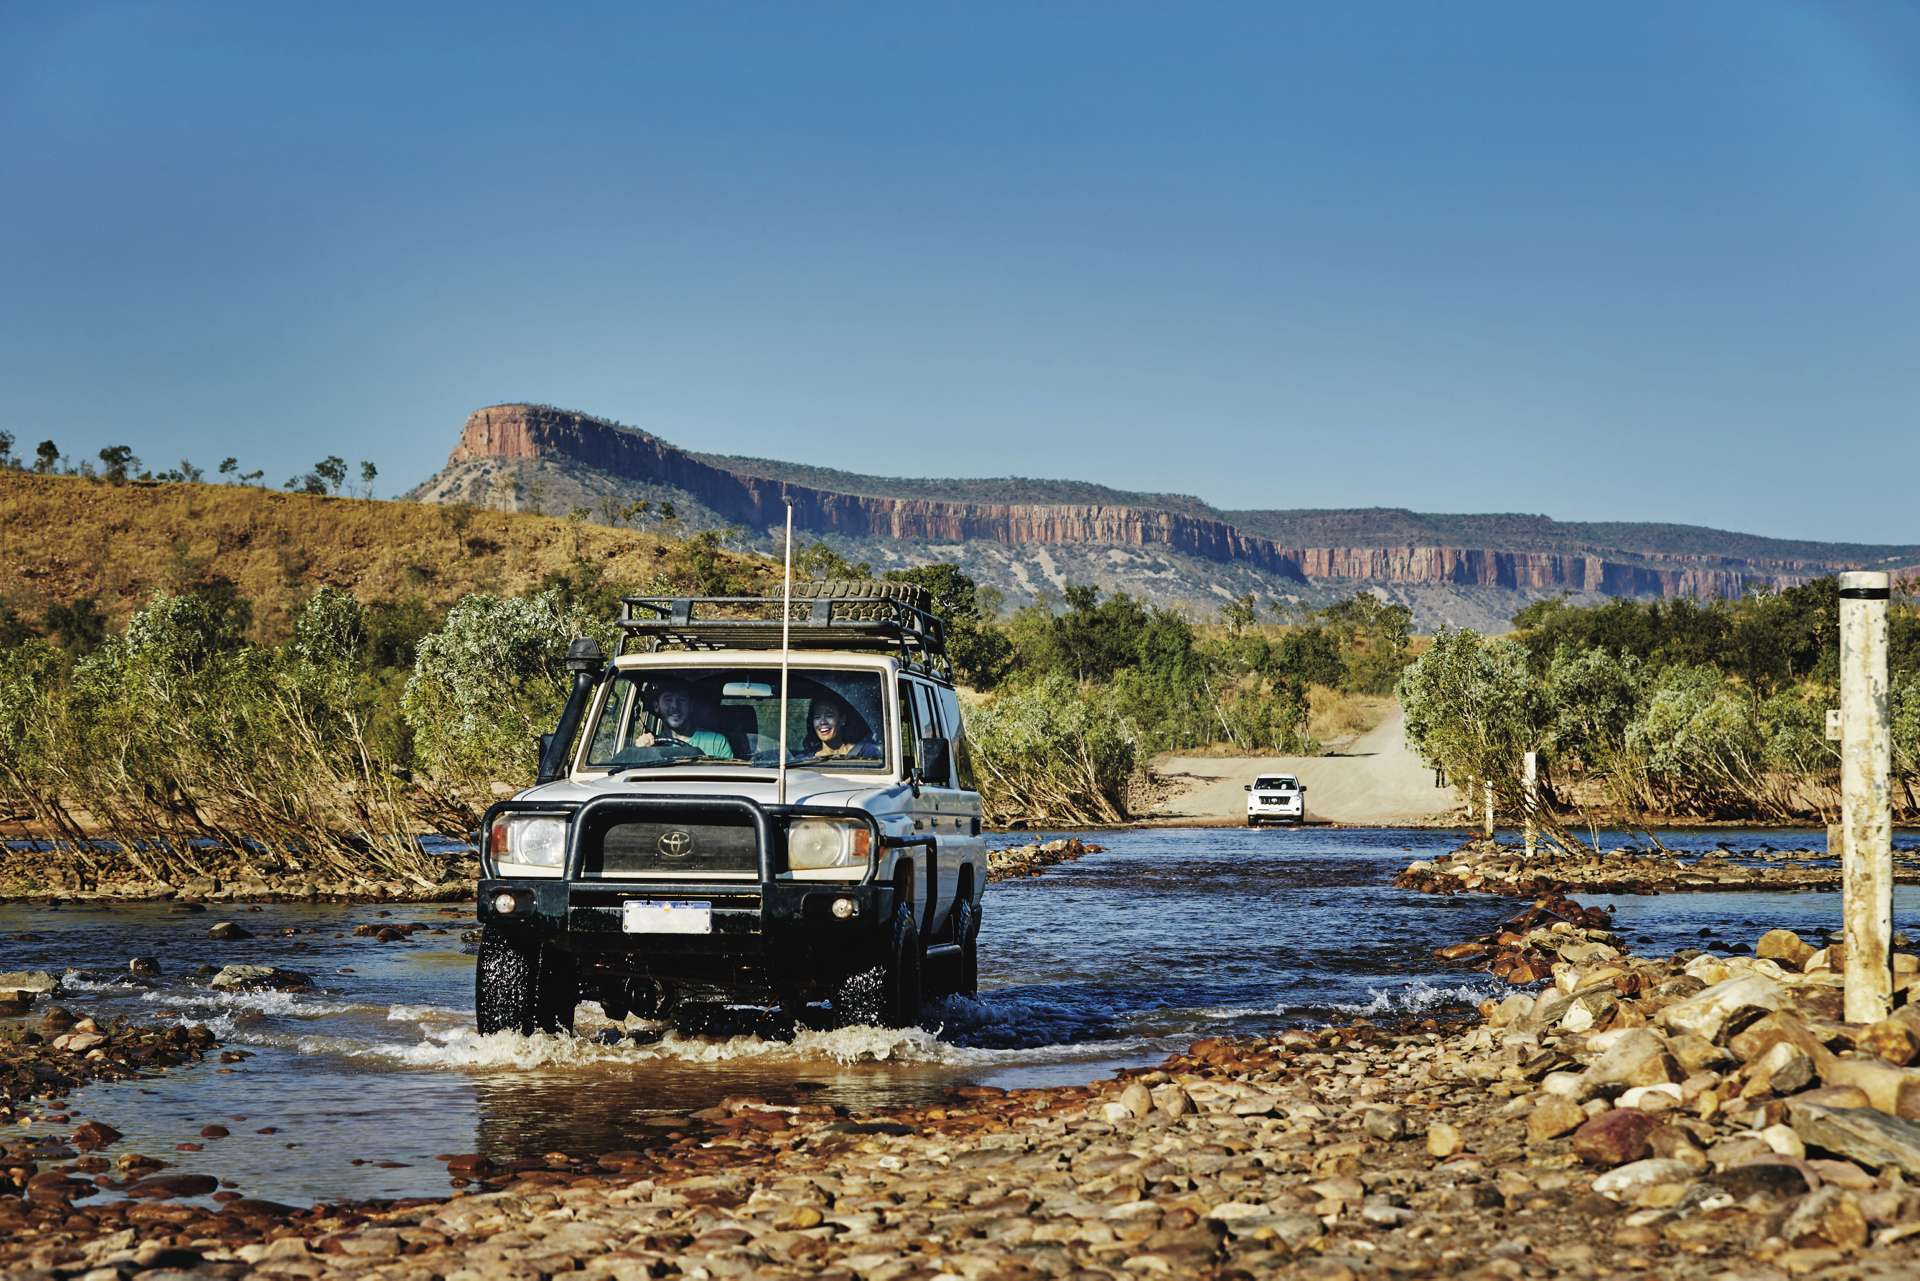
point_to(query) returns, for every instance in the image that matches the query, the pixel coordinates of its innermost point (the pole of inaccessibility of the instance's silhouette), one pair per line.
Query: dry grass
(62, 539)
(1338, 716)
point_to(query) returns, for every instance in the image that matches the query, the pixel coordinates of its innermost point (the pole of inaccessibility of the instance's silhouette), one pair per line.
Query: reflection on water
(1116, 959)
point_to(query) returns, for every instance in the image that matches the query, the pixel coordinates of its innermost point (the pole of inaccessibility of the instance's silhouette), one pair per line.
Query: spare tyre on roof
(854, 589)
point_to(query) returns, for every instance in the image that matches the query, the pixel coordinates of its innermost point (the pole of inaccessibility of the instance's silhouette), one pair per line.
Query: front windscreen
(1273, 784)
(731, 715)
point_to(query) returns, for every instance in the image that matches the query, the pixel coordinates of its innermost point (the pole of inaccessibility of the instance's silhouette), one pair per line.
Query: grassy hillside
(65, 539)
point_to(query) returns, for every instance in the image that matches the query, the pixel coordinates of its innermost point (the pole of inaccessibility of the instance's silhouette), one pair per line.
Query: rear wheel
(523, 986)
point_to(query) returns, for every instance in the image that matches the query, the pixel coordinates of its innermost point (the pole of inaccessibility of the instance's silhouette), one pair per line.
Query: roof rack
(871, 624)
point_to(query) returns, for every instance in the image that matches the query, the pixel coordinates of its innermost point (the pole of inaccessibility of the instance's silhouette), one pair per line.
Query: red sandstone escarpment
(538, 433)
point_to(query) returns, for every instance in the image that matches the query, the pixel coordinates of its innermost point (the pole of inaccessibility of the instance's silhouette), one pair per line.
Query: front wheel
(523, 986)
(1252, 821)
(888, 994)
(967, 930)
(900, 983)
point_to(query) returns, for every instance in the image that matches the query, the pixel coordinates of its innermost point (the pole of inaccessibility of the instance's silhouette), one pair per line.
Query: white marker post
(1866, 797)
(1530, 801)
(786, 637)
(1489, 783)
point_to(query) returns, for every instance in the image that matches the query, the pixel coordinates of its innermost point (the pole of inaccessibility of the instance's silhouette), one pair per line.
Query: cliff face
(538, 434)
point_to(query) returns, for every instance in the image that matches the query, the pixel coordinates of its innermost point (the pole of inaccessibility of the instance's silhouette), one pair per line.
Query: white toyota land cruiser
(671, 849)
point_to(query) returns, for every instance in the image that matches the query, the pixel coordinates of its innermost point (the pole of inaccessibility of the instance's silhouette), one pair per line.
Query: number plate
(640, 916)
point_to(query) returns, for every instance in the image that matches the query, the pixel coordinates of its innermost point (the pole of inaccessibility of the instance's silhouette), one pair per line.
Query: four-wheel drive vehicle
(1276, 798)
(657, 856)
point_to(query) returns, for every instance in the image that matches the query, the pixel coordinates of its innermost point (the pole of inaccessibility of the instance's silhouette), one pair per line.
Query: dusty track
(1375, 782)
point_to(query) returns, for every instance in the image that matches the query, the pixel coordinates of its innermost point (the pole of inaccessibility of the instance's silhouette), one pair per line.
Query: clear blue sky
(1598, 260)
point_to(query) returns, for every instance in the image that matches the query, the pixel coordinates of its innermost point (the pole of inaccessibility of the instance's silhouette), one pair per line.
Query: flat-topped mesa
(540, 433)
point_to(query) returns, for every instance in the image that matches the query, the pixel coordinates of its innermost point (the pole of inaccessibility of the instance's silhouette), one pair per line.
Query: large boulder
(1860, 1134)
(1724, 1008)
(37, 981)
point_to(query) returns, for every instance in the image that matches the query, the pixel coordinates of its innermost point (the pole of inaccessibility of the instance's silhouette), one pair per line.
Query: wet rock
(167, 1186)
(229, 931)
(186, 909)
(145, 966)
(94, 1134)
(35, 981)
(242, 977)
(1614, 1137)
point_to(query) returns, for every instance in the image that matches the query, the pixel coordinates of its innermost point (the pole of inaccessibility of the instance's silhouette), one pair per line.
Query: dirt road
(1374, 782)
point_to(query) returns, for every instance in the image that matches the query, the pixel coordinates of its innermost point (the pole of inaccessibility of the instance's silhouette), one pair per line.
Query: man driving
(677, 711)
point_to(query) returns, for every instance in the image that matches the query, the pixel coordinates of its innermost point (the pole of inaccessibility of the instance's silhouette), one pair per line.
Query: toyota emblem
(674, 844)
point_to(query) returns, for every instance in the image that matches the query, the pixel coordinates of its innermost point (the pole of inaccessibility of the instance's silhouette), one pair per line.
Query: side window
(957, 739)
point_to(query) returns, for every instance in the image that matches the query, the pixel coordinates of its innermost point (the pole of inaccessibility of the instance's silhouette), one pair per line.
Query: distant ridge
(1024, 535)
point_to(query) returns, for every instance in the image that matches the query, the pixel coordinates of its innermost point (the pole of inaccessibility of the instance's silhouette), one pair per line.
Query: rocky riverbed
(1696, 1116)
(38, 870)
(1036, 857)
(1491, 867)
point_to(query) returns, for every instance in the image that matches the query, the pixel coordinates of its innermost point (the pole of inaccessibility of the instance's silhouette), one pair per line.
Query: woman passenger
(834, 733)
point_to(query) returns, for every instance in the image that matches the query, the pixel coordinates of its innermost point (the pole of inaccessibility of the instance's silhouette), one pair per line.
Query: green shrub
(1054, 753)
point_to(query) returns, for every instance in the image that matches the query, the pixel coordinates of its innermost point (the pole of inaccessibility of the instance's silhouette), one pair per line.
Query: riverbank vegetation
(1665, 709)
(183, 662)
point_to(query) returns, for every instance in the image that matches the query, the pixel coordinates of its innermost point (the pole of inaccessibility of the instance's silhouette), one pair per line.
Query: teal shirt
(709, 743)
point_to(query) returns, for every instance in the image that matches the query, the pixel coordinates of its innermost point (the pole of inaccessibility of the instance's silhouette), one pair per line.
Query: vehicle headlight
(537, 840)
(817, 843)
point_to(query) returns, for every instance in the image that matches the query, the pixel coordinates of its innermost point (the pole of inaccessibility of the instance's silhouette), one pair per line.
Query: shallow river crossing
(1111, 961)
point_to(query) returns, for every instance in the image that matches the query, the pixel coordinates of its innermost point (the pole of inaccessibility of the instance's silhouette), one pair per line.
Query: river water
(1114, 960)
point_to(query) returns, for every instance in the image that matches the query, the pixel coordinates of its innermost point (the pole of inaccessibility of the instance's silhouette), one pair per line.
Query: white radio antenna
(786, 634)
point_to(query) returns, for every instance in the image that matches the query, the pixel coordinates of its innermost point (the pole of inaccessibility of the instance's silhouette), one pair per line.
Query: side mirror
(546, 745)
(936, 769)
(1247, 788)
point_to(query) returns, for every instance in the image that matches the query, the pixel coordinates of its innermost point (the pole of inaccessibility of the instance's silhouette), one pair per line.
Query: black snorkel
(586, 662)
